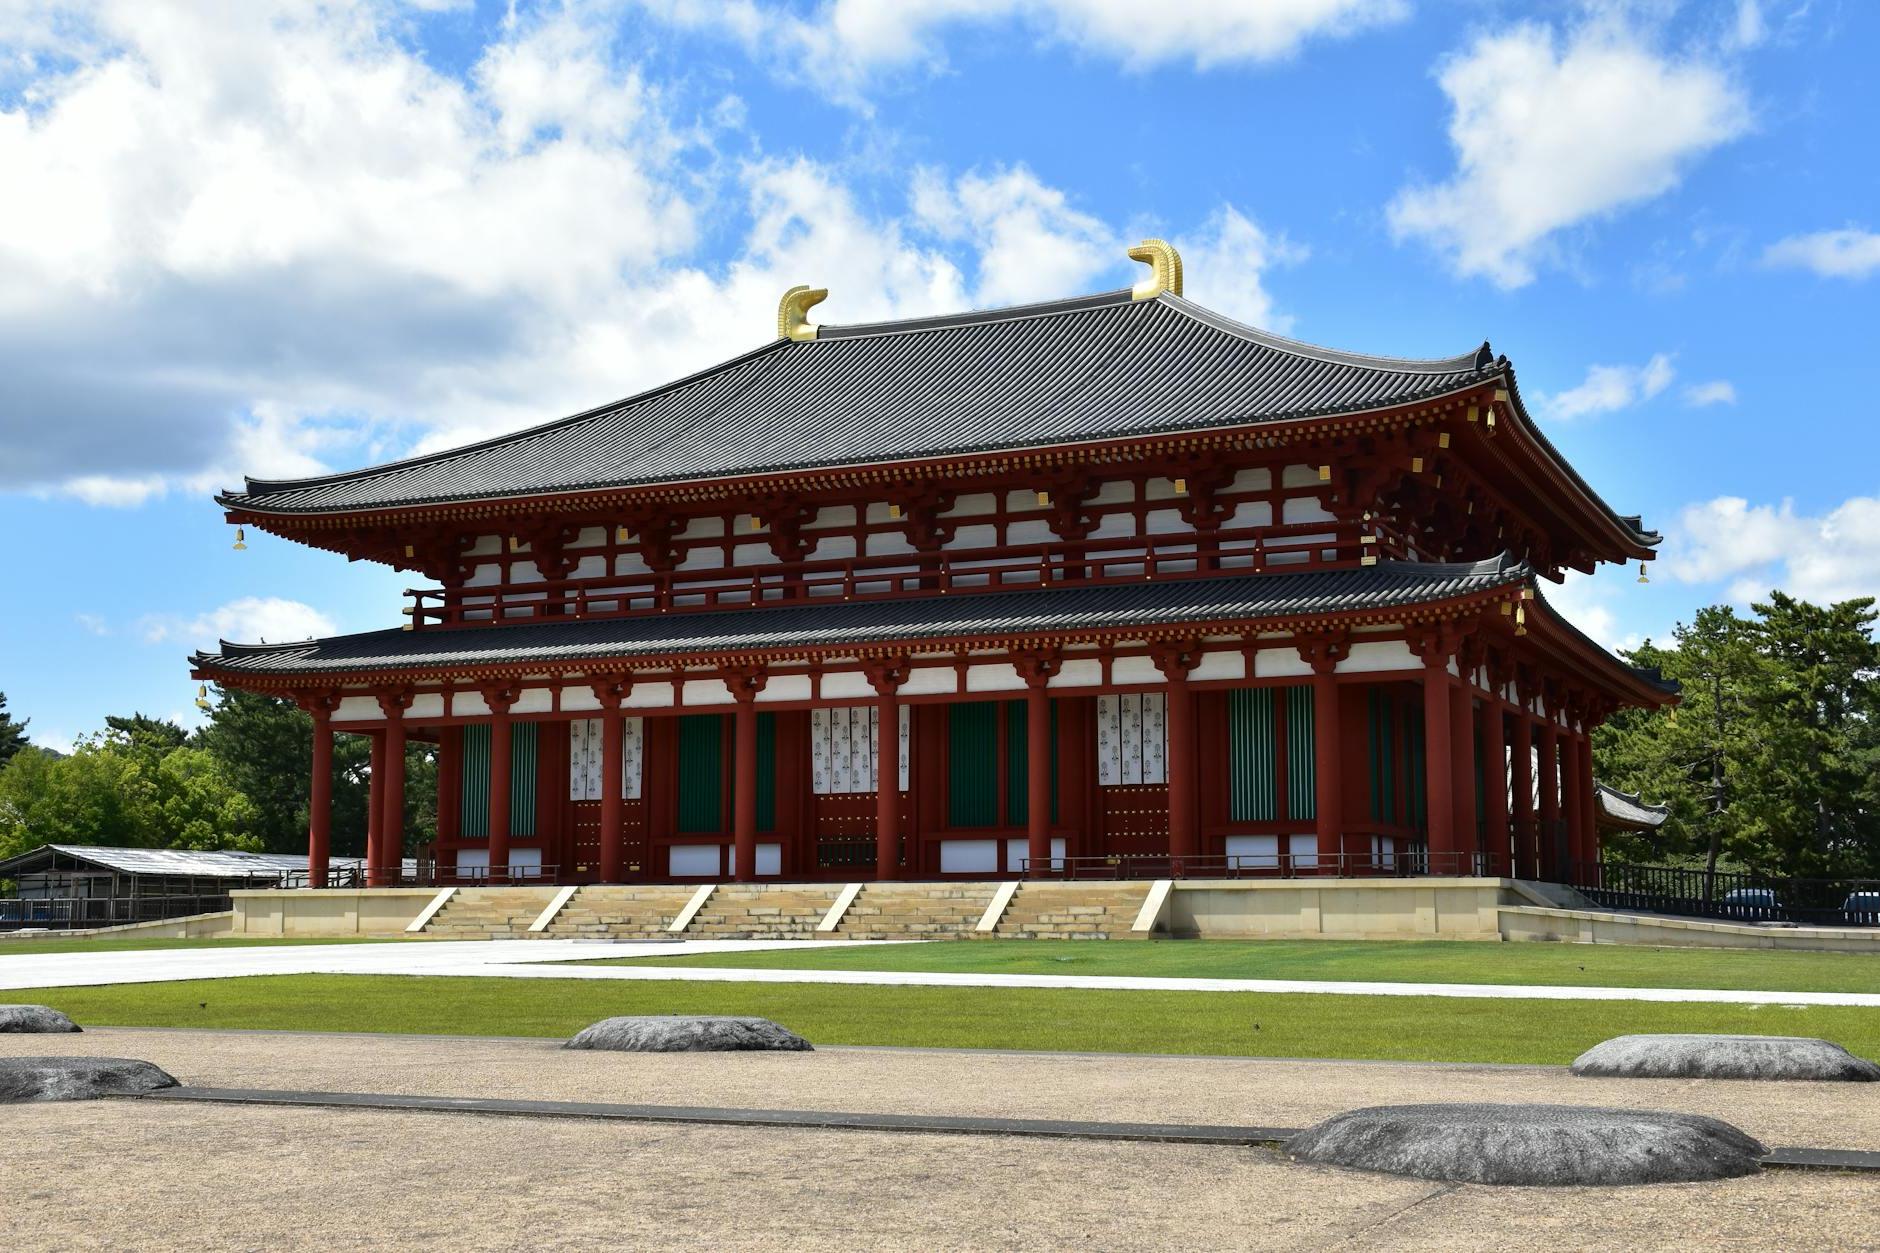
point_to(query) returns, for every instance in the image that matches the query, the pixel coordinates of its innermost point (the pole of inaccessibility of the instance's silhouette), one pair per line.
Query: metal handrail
(1383, 865)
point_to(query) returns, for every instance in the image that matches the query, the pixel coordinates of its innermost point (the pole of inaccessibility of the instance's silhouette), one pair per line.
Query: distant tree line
(241, 781)
(1772, 760)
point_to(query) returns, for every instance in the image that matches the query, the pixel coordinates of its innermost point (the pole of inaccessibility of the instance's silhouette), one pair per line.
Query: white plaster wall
(1381, 655)
(469, 705)
(1250, 513)
(707, 692)
(703, 528)
(358, 709)
(1220, 666)
(429, 705)
(846, 685)
(1079, 673)
(786, 687)
(589, 537)
(999, 678)
(1164, 522)
(652, 695)
(1260, 480)
(1305, 509)
(534, 700)
(930, 681)
(1134, 670)
(1276, 663)
(888, 543)
(1300, 476)
(1114, 492)
(486, 546)
(977, 536)
(579, 698)
(1029, 532)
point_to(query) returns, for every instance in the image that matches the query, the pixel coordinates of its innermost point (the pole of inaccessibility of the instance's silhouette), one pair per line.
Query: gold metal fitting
(1325, 474)
(1044, 499)
(1165, 269)
(894, 512)
(793, 313)
(1181, 487)
(623, 535)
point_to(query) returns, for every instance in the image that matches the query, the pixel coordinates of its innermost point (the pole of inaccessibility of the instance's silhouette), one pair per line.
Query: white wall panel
(706, 692)
(996, 678)
(1078, 673)
(1271, 663)
(1383, 655)
(429, 705)
(1231, 665)
(647, 695)
(931, 681)
(358, 709)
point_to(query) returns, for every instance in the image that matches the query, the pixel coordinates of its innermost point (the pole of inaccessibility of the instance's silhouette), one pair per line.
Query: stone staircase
(1073, 911)
(763, 911)
(624, 912)
(489, 913)
(916, 911)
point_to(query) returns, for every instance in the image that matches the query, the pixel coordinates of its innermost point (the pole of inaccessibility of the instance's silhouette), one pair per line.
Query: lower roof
(176, 862)
(1626, 811)
(1388, 586)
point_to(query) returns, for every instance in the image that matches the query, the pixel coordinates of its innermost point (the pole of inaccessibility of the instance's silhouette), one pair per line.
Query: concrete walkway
(558, 959)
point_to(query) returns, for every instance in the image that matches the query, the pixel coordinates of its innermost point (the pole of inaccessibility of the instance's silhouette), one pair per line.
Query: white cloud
(94, 624)
(1826, 557)
(251, 619)
(1224, 263)
(1715, 392)
(841, 43)
(1846, 253)
(280, 242)
(1550, 132)
(1749, 28)
(1588, 602)
(1610, 387)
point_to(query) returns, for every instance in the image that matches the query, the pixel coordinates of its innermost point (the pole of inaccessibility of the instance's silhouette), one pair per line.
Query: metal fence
(1412, 862)
(1733, 896)
(66, 913)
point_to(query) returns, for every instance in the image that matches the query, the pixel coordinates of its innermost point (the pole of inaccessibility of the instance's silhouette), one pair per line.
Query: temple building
(1105, 585)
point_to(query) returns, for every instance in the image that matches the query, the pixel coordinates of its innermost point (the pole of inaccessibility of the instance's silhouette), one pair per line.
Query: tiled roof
(1621, 809)
(1176, 602)
(1062, 372)
(175, 862)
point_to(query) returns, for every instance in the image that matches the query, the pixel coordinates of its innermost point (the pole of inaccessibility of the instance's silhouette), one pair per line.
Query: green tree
(12, 732)
(1770, 760)
(265, 744)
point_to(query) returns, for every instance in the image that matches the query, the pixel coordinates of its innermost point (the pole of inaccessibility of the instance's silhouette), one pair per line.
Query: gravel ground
(1017, 1085)
(146, 1176)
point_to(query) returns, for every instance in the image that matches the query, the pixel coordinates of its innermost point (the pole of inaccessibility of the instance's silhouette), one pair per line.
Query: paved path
(556, 959)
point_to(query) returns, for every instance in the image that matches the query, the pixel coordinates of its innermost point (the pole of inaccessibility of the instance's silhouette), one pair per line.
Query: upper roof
(175, 862)
(1389, 585)
(1060, 372)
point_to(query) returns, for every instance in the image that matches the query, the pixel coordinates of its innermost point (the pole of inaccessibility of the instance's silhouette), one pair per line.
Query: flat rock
(77, 1078)
(1723, 1057)
(694, 1033)
(1544, 1145)
(34, 1019)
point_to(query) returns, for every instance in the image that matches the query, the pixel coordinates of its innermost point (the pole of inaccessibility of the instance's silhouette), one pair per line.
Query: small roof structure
(163, 863)
(1622, 811)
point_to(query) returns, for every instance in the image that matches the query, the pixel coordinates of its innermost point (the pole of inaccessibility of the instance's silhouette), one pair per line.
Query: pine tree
(12, 733)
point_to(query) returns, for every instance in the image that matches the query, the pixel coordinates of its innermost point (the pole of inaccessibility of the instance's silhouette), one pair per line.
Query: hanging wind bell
(1642, 576)
(241, 540)
(202, 696)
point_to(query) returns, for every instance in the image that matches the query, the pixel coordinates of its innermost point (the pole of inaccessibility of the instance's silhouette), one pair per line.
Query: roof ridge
(975, 317)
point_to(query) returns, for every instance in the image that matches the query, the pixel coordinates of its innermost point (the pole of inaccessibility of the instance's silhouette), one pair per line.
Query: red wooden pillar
(1175, 660)
(320, 799)
(1527, 856)
(499, 703)
(375, 812)
(611, 690)
(886, 677)
(1036, 669)
(388, 867)
(1438, 771)
(745, 684)
(1323, 653)
(1495, 788)
(1462, 767)
(1550, 859)
(1589, 819)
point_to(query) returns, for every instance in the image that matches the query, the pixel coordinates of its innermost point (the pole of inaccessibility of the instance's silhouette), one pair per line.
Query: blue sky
(291, 236)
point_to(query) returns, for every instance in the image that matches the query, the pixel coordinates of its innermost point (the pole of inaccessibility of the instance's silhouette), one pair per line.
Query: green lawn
(126, 944)
(1407, 1028)
(1602, 965)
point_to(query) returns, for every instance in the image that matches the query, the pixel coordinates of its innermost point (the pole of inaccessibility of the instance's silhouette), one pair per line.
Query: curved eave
(1495, 580)
(1632, 540)
(1629, 684)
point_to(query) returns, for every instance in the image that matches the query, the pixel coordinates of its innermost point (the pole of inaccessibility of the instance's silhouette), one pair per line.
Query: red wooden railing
(1133, 559)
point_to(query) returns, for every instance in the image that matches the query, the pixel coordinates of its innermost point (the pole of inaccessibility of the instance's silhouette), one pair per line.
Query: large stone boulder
(688, 1033)
(1546, 1145)
(1723, 1057)
(34, 1019)
(77, 1078)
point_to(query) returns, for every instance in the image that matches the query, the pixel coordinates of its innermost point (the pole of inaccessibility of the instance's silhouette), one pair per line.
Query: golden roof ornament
(1165, 269)
(793, 312)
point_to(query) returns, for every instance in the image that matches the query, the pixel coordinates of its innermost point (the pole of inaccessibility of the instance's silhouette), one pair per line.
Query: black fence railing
(427, 875)
(1729, 895)
(68, 913)
(1406, 864)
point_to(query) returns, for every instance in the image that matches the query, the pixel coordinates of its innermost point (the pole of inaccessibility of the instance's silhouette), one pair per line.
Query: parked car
(1862, 908)
(1752, 902)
